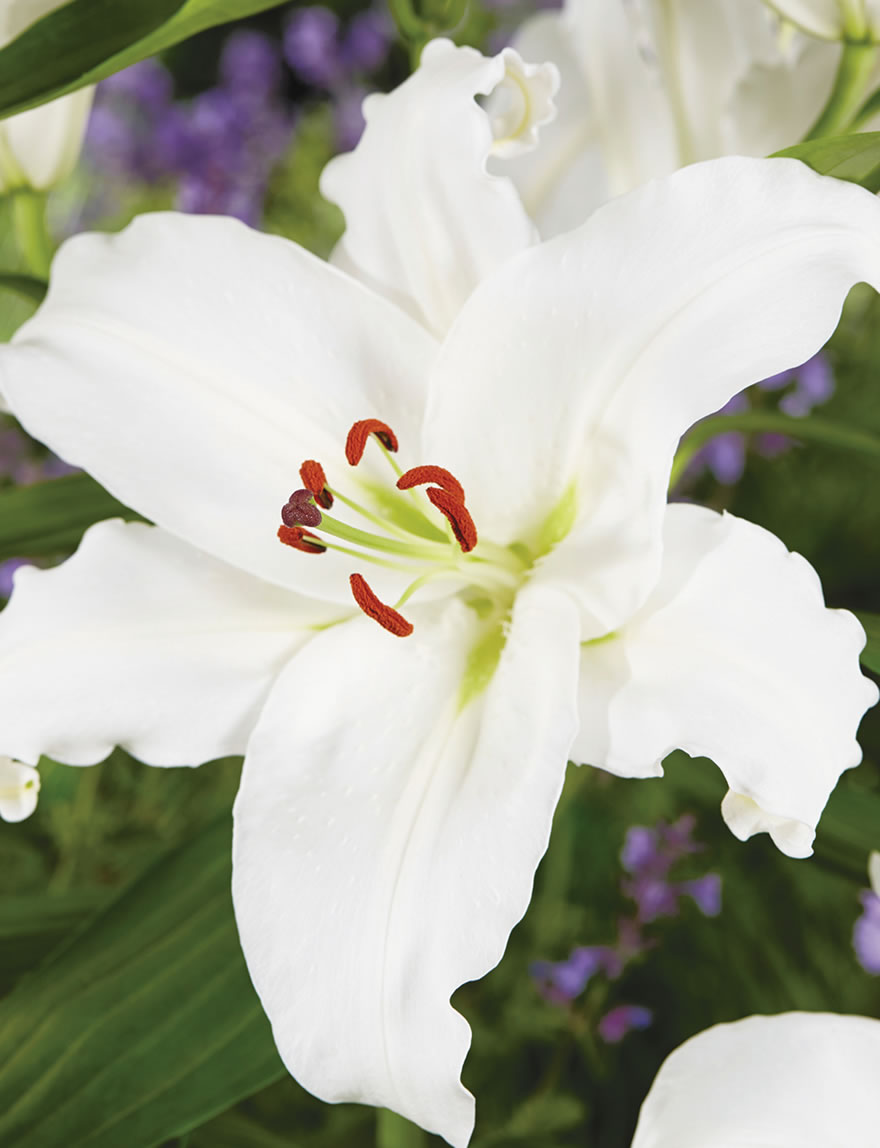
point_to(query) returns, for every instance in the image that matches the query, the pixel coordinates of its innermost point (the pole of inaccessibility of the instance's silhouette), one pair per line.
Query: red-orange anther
(300, 539)
(356, 443)
(388, 618)
(461, 522)
(419, 475)
(314, 479)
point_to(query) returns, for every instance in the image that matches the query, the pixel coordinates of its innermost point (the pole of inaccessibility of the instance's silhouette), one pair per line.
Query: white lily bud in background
(856, 20)
(19, 789)
(39, 147)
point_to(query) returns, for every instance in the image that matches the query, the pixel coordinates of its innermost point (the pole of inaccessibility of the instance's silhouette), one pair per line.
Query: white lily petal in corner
(19, 789)
(796, 1080)
(141, 641)
(385, 844)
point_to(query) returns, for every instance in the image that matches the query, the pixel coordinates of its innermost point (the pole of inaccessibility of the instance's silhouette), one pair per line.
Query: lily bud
(41, 146)
(857, 21)
(19, 788)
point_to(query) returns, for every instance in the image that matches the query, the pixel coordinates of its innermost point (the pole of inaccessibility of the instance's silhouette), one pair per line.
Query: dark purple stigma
(300, 510)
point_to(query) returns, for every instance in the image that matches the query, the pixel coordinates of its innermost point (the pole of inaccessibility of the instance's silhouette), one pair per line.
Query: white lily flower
(794, 1080)
(41, 146)
(855, 20)
(398, 790)
(651, 85)
(19, 789)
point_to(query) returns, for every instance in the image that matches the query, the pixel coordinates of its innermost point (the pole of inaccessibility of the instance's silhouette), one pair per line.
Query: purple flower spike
(706, 893)
(561, 981)
(814, 385)
(7, 574)
(615, 1025)
(639, 851)
(311, 46)
(349, 118)
(367, 42)
(250, 64)
(866, 934)
(725, 456)
(147, 83)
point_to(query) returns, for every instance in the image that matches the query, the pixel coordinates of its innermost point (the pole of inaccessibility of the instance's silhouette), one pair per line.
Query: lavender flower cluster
(866, 933)
(219, 149)
(21, 466)
(648, 857)
(801, 389)
(338, 62)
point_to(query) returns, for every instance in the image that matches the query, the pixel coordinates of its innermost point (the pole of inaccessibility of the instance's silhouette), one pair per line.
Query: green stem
(848, 93)
(33, 231)
(810, 429)
(392, 1131)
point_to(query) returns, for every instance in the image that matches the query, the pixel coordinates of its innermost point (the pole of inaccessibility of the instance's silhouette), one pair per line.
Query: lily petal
(191, 365)
(425, 222)
(19, 790)
(830, 19)
(386, 841)
(604, 345)
(775, 103)
(141, 641)
(564, 179)
(734, 657)
(795, 1080)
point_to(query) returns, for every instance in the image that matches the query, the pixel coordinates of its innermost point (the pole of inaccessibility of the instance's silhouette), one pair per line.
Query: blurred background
(650, 922)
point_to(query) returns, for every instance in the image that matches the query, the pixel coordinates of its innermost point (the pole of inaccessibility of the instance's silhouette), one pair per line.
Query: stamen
(300, 539)
(314, 479)
(419, 475)
(356, 443)
(387, 617)
(454, 509)
(299, 510)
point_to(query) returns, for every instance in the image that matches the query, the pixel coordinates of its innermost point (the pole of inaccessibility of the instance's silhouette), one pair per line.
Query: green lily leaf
(50, 517)
(31, 927)
(86, 40)
(871, 652)
(28, 286)
(145, 1025)
(855, 158)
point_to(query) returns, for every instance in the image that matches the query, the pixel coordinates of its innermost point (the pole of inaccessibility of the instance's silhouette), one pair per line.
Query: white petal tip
(745, 818)
(19, 790)
(521, 104)
(874, 871)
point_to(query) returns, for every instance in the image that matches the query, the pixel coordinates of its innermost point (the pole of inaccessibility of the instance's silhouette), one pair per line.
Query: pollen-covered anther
(419, 475)
(387, 617)
(314, 479)
(300, 510)
(356, 442)
(300, 539)
(457, 515)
